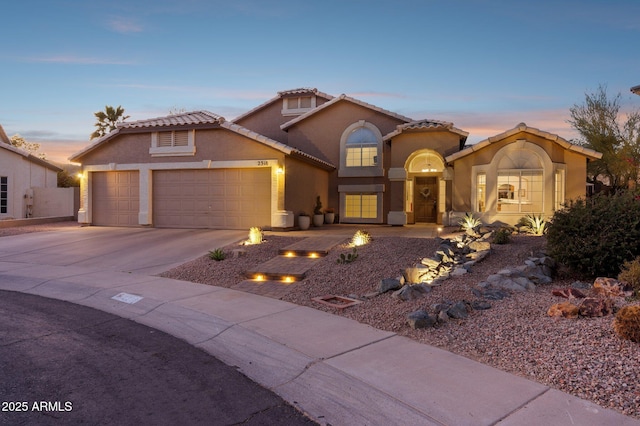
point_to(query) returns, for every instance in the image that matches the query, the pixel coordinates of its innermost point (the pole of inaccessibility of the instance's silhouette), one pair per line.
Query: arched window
(361, 150)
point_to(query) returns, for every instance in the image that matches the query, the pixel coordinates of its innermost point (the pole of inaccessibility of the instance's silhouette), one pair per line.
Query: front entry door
(426, 199)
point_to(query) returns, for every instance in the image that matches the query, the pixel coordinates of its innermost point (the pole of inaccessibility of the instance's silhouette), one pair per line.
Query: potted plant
(318, 216)
(329, 215)
(304, 221)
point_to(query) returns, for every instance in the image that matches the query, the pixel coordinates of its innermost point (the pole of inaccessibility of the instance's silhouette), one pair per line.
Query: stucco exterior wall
(53, 202)
(267, 120)
(22, 175)
(556, 157)
(303, 183)
(403, 145)
(320, 135)
(211, 144)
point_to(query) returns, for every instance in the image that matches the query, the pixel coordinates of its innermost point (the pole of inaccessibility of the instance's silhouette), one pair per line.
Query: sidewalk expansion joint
(524, 404)
(360, 347)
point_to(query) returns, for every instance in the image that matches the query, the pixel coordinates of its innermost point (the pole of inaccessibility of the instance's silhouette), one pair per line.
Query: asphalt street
(62, 363)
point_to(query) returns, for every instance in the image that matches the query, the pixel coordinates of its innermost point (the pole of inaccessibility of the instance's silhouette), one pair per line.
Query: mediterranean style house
(373, 166)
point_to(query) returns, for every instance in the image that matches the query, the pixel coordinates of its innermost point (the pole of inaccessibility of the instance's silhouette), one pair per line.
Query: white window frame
(358, 171)
(519, 194)
(286, 110)
(172, 151)
(374, 189)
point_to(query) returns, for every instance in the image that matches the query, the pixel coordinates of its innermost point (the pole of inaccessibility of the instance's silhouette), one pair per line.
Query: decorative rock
(610, 287)
(493, 294)
(411, 292)
(458, 310)
(569, 293)
(596, 307)
(431, 263)
(414, 275)
(480, 305)
(459, 271)
(388, 284)
(443, 317)
(564, 310)
(478, 255)
(420, 319)
(479, 245)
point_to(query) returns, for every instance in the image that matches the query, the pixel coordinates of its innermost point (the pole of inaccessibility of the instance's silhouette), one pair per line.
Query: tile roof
(343, 97)
(182, 119)
(202, 117)
(425, 124)
(298, 91)
(522, 127)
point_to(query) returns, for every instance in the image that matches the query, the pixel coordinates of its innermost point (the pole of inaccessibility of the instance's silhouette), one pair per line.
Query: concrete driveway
(147, 251)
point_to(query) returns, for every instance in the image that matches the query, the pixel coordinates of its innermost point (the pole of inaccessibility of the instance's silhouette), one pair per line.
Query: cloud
(77, 60)
(124, 25)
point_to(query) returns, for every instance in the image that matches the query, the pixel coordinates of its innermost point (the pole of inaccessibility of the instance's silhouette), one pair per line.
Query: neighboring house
(20, 174)
(372, 165)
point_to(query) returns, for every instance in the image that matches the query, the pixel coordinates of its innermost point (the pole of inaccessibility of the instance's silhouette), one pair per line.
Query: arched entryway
(424, 192)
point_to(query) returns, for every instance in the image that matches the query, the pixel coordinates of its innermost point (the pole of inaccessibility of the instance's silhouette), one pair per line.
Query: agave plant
(469, 222)
(536, 224)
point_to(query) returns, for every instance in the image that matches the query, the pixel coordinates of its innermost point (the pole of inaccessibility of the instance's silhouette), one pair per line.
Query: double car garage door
(212, 198)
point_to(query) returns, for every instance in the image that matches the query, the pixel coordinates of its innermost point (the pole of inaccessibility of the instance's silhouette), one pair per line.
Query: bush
(596, 236)
(502, 236)
(217, 255)
(631, 275)
(627, 323)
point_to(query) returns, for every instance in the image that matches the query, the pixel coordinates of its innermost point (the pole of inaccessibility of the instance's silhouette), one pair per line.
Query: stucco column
(145, 212)
(397, 178)
(84, 212)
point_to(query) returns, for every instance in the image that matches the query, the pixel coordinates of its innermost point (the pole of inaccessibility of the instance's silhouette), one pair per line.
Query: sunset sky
(485, 65)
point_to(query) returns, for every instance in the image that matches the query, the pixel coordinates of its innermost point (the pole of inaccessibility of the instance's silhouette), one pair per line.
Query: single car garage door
(115, 198)
(212, 198)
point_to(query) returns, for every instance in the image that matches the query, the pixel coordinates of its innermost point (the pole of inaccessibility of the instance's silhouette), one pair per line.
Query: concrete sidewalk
(336, 370)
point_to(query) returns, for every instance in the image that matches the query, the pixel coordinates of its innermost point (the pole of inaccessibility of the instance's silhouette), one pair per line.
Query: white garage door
(219, 198)
(115, 198)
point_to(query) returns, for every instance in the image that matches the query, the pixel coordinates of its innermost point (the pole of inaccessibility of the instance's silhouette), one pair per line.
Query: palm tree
(107, 120)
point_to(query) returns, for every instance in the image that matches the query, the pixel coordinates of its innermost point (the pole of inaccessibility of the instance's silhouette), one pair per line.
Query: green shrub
(502, 236)
(217, 255)
(630, 274)
(596, 236)
(349, 257)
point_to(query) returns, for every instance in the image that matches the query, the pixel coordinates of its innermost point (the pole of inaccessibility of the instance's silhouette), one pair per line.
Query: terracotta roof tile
(426, 124)
(183, 119)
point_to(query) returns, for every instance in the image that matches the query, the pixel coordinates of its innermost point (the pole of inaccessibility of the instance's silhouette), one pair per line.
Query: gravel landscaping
(583, 356)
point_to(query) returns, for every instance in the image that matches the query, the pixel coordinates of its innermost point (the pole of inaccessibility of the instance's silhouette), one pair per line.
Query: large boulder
(596, 307)
(389, 284)
(610, 287)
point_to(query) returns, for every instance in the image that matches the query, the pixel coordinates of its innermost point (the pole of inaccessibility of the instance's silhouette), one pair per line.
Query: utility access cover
(127, 298)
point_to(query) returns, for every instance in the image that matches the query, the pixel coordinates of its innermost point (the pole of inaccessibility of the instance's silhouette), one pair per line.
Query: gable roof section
(184, 119)
(522, 127)
(196, 118)
(346, 98)
(5, 143)
(280, 95)
(426, 125)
